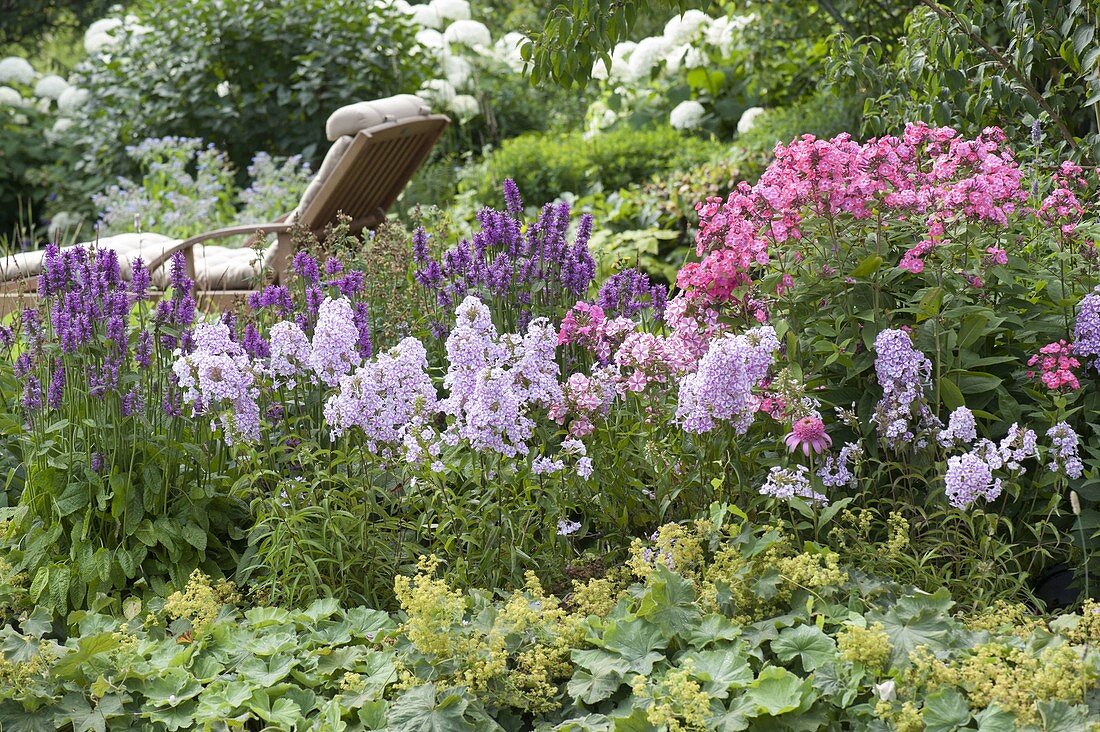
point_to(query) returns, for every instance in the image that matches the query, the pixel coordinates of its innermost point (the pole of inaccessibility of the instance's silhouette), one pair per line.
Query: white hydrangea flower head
(61, 124)
(101, 35)
(470, 33)
(683, 28)
(50, 87)
(222, 89)
(508, 48)
(648, 53)
(723, 32)
(620, 60)
(598, 118)
(426, 16)
(676, 57)
(748, 119)
(465, 106)
(71, 99)
(10, 97)
(452, 9)
(42, 105)
(695, 58)
(430, 39)
(439, 91)
(687, 115)
(15, 70)
(458, 70)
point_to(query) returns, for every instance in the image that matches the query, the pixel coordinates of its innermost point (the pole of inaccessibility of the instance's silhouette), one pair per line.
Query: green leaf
(808, 642)
(637, 641)
(417, 710)
(777, 691)
(993, 719)
(929, 306)
(170, 689)
(950, 394)
(86, 649)
(917, 620)
(868, 266)
(945, 711)
(720, 670)
(592, 689)
(1059, 716)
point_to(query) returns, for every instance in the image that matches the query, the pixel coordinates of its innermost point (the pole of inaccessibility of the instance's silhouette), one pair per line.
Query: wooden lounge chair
(376, 148)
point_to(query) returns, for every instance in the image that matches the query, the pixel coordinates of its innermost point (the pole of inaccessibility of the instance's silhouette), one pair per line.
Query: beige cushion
(355, 117)
(224, 268)
(327, 166)
(216, 267)
(128, 246)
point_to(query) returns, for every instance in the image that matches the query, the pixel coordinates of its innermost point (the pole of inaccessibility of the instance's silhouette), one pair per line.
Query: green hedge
(547, 165)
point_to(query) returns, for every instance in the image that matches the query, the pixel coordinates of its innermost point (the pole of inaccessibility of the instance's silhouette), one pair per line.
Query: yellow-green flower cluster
(516, 659)
(676, 699)
(1086, 630)
(200, 601)
(1006, 617)
(1000, 674)
(867, 646)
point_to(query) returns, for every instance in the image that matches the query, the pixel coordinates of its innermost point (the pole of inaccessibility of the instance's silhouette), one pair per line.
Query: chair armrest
(187, 244)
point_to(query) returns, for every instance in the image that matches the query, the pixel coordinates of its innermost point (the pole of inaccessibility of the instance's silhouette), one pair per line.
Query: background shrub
(545, 166)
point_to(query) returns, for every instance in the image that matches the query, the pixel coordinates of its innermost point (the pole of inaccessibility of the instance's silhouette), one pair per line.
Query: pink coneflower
(809, 432)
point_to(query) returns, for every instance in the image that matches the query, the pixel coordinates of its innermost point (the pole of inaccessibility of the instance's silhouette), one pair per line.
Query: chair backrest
(377, 147)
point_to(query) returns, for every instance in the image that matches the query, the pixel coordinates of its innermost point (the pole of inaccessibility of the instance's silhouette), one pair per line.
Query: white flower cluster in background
(24, 88)
(106, 33)
(459, 44)
(639, 72)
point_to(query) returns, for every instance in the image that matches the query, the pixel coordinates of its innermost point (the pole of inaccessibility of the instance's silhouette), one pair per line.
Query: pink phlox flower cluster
(586, 398)
(1064, 451)
(929, 171)
(1061, 207)
(335, 350)
(387, 397)
(586, 326)
(1056, 366)
(217, 374)
(722, 389)
(1086, 329)
(962, 428)
(995, 256)
(836, 473)
(495, 382)
(902, 416)
(289, 356)
(787, 483)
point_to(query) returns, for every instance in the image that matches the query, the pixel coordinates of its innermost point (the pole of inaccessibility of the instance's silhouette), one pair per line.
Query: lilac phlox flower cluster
(722, 389)
(387, 397)
(495, 382)
(566, 527)
(1064, 455)
(335, 348)
(902, 416)
(836, 472)
(547, 466)
(289, 357)
(971, 476)
(1086, 330)
(218, 375)
(693, 328)
(586, 326)
(787, 483)
(629, 293)
(1018, 445)
(961, 428)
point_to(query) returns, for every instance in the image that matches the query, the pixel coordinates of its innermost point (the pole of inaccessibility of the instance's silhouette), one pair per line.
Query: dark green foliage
(970, 64)
(544, 166)
(22, 20)
(287, 63)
